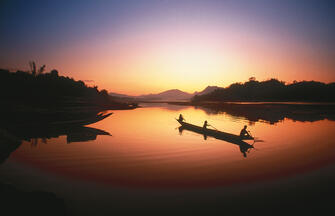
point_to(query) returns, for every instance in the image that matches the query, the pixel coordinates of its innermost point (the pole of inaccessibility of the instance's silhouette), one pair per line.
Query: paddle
(250, 134)
(213, 127)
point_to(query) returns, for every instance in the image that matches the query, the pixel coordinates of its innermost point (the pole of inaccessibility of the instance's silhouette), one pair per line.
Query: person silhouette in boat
(244, 132)
(205, 125)
(181, 118)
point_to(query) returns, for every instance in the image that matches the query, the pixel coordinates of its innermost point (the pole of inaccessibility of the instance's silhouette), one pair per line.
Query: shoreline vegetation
(38, 98)
(38, 106)
(35, 97)
(269, 101)
(271, 90)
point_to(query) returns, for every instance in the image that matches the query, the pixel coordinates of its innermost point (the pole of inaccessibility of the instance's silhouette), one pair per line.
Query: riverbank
(44, 98)
(271, 112)
(255, 103)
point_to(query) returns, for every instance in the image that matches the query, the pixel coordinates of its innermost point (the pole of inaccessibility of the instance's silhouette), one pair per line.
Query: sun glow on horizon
(148, 46)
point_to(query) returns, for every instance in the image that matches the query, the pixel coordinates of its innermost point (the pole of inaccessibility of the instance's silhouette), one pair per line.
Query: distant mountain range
(173, 94)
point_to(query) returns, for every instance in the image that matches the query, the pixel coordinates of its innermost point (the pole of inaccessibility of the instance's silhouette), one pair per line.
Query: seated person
(244, 132)
(205, 125)
(181, 118)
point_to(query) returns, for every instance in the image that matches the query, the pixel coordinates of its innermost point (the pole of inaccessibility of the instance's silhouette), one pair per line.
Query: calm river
(146, 162)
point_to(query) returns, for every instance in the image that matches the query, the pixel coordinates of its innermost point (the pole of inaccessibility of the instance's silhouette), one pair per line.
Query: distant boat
(214, 133)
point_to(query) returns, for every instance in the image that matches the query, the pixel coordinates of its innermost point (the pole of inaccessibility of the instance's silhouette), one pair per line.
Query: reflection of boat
(214, 133)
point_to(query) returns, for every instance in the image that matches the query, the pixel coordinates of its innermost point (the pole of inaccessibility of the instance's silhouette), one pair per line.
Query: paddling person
(181, 118)
(244, 132)
(205, 125)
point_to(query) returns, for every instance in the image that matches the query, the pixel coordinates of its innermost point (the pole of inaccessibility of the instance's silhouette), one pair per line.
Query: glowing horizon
(151, 46)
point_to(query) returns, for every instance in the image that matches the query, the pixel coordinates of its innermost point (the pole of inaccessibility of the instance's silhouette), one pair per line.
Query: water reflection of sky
(146, 150)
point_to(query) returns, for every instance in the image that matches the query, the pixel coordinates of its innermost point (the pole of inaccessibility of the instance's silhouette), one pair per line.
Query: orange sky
(155, 61)
(151, 46)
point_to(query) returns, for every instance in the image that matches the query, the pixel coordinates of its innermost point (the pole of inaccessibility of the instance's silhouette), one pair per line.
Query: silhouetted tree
(41, 70)
(54, 73)
(33, 69)
(50, 90)
(272, 90)
(104, 93)
(252, 79)
(32, 65)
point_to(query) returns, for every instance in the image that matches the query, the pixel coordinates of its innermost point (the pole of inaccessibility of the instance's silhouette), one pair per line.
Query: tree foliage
(47, 89)
(272, 90)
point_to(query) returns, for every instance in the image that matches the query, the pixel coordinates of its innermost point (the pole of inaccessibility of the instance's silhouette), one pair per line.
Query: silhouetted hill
(172, 95)
(207, 90)
(118, 95)
(272, 90)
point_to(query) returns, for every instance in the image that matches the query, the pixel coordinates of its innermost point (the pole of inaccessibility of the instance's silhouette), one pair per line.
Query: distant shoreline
(270, 112)
(253, 103)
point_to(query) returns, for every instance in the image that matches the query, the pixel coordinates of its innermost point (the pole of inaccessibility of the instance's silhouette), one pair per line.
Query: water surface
(147, 157)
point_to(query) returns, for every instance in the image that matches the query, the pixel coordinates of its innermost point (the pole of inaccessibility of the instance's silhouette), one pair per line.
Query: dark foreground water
(146, 165)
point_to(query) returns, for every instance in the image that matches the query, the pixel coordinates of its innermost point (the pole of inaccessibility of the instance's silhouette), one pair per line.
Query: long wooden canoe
(228, 137)
(214, 133)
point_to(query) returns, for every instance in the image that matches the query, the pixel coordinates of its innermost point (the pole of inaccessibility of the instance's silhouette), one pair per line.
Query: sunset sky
(137, 47)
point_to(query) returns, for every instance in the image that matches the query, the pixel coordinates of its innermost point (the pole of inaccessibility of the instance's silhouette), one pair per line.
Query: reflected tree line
(270, 101)
(273, 113)
(37, 105)
(12, 135)
(13, 199)
(73, 134)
